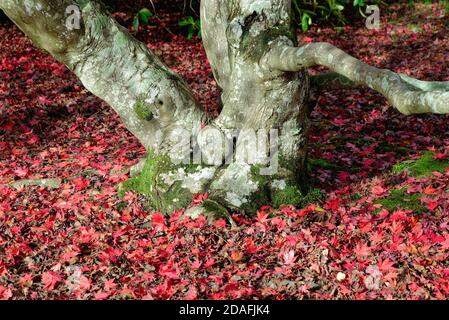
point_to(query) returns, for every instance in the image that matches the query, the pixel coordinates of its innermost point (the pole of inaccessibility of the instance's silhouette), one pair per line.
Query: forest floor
(381, 229)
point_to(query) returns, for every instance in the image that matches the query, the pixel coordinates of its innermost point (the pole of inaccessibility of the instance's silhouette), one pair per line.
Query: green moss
(399, 199)
(383, 147)
(289, 195)
(161, 197)
(422, 167)
(313, 196)
(143, 111)
(322, 164)
(288, 164)
(355, 197)
(341, 141)
(262, 196)
(255, 47)
(144, 182)
(100, 23)
(121, 39)
(292, 194)
(216, 208)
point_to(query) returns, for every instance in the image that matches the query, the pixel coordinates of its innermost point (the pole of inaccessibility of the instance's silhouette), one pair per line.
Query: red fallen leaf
(84, 283)
(33, 139)
(101, 295)
(376, 237)
(362, 250)
(343, 176)
(80, 183)
(169, 271)
(279, 223)
(344, 290)
(200, 198)
(50, 280)
(110, 285)
(439, 156)
(367, 163)
(333, 204)
(220, 223)
(307, 39)
(339, 121)
(21, 172)
(192, 294)
(378, 190)
(386, 265)
(236, 256)
(430, 190)
(196, 264)
(158, 222)
(26, 280)
(250, 246)
(86, 235)
(209, 263)
(44, 100)
(289, 257)
(292, 240)
(432, 205)
(262, 217)
(5, 293)
(69, 254)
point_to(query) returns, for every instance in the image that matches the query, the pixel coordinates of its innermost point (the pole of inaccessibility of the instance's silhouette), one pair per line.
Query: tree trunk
(257, 99)
(254, 152)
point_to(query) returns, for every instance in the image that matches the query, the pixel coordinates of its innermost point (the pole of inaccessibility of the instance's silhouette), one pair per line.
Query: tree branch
(331, 81)
(408, 95)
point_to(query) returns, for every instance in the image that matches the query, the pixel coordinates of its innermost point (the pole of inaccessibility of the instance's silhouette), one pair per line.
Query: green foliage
(424, 166)
(313, 196)
(142, 17)
(289, 195)
(322, 164)
(399, 199)
(143, 183)
(192, 25)
(308, 12)
(445, 4)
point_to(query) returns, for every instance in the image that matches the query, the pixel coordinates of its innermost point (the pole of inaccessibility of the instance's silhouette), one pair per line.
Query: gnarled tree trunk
(255, 151)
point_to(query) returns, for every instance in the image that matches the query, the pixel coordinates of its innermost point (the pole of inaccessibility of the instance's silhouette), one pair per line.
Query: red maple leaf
(386, 265)
(158, 222)
(50, 280)
(362, 250)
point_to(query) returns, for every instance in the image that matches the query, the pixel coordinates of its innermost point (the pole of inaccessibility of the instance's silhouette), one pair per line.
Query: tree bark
(236, 35)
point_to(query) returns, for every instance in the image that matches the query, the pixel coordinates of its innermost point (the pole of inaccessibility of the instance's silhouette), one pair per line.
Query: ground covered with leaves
(381, 229)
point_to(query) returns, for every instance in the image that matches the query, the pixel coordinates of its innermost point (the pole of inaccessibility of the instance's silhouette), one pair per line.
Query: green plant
(400, 199)
(193, 26)
(445, 4)
(308, 12)
(422, 167)
(142, 17)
